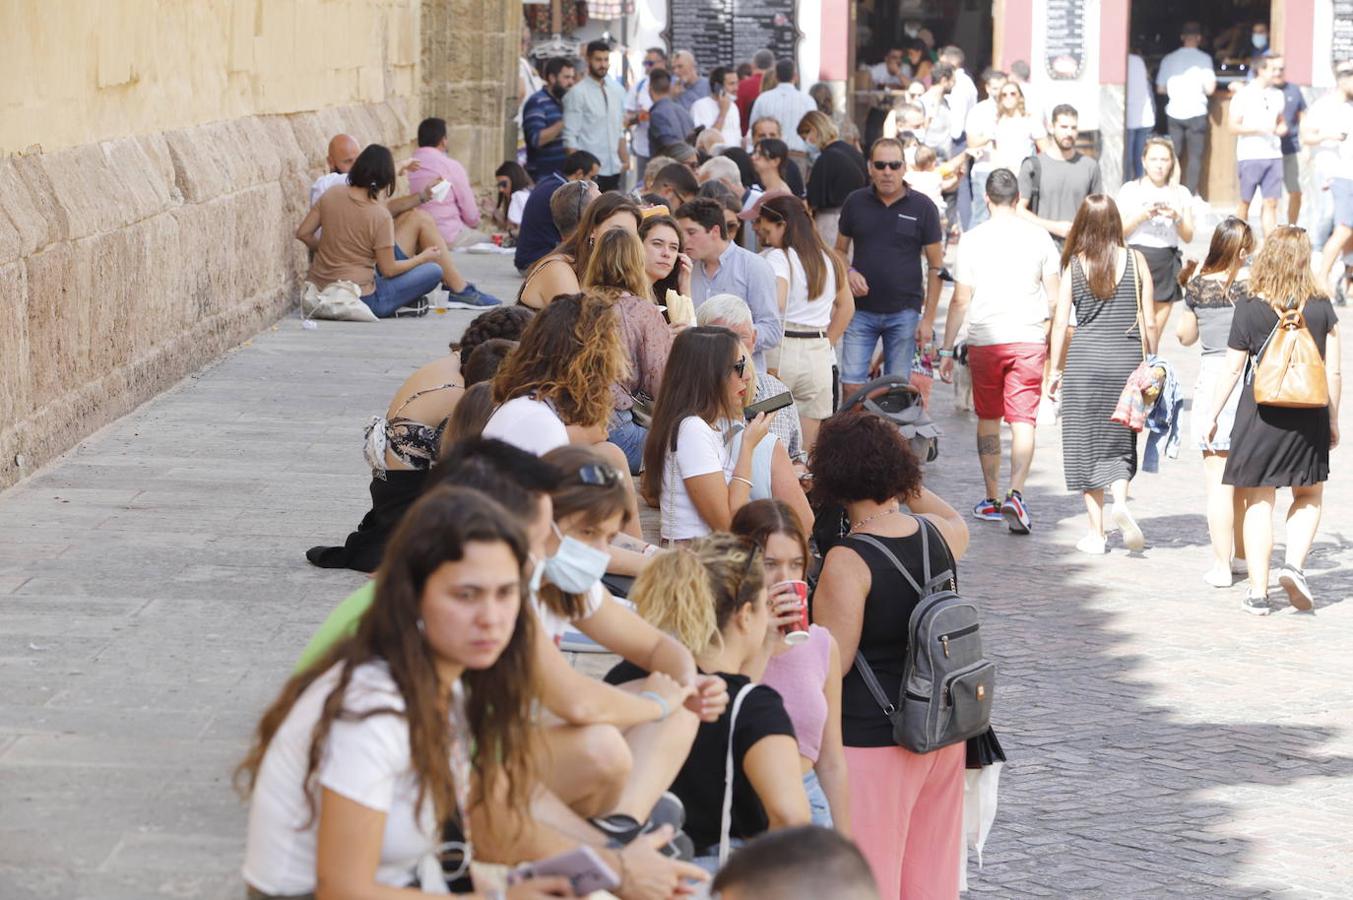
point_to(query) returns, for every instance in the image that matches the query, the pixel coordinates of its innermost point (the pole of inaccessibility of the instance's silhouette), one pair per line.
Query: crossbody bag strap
(726, 819)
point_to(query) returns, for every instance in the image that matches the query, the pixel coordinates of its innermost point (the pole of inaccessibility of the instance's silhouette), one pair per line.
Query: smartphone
(769, 405)
(584, 869)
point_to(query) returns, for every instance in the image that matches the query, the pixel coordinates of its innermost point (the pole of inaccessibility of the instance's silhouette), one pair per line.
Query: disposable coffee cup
(797, 631)
(440, 190)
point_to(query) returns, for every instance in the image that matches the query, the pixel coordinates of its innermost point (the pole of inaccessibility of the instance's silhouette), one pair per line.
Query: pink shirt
(459, 210)
(799, 676)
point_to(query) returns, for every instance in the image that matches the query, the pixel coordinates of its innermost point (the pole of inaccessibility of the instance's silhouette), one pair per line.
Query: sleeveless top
(799, 676)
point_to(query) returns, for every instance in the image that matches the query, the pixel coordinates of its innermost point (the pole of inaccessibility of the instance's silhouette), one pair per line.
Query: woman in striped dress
(1108, 284)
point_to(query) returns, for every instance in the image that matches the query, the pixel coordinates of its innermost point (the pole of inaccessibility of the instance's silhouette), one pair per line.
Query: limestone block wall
(128, 263)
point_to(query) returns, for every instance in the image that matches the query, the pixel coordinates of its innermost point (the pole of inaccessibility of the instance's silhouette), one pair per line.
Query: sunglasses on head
(598, 475)
(740, 366)
(893, 164)
(769, 215)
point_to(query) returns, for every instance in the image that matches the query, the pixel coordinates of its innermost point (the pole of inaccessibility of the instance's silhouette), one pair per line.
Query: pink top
(459, 209)
(648, 340)
(799, 676)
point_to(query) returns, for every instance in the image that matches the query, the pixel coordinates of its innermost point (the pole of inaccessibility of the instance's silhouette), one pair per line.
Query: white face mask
(575, 566)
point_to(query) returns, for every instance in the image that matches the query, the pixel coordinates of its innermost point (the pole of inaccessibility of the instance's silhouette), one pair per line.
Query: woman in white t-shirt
(719, 110)
(816, 304)
(367, 751)
(1158, 221)
(690, 467)
(514, 189)
(1017, 134)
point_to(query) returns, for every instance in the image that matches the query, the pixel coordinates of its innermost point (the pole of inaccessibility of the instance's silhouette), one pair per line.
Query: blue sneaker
(471, 298)
(988, 510)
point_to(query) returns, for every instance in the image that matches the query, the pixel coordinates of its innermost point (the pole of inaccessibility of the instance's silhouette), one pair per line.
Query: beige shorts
(806, 369)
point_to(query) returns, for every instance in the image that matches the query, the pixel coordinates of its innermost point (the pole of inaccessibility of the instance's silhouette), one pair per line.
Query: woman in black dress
(1271, 446)
(1109, 285)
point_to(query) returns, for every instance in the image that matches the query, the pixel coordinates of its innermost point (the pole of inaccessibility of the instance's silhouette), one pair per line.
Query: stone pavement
(154, 594)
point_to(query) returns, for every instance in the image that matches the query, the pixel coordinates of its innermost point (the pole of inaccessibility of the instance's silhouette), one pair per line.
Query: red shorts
(1007, 380)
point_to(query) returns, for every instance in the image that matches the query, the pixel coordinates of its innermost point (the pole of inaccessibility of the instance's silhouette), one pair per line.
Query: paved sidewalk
(154, 594)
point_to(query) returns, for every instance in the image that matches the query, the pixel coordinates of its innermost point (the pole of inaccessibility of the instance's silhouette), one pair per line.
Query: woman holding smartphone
(1158, 221)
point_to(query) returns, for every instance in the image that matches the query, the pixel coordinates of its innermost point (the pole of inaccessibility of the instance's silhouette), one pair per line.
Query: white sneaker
(1132, 532)
(1293, 580)
(1218, 578)
(1092, 544)
(1239, 567)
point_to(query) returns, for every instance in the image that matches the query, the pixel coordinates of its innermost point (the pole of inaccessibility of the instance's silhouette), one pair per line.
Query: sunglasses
(740, 367)
(648, 63)
(598, 475)
(893, 164)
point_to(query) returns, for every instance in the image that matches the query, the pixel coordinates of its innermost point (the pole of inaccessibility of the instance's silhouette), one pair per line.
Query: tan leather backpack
(1289, 371)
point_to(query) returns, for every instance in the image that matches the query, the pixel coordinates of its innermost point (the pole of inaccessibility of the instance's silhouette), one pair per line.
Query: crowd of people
(675, 348)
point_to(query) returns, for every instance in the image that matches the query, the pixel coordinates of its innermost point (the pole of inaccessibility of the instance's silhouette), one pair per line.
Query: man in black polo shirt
(891, 226)
(537, 235)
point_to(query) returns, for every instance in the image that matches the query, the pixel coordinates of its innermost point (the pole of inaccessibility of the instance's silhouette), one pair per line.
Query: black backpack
(948, 685)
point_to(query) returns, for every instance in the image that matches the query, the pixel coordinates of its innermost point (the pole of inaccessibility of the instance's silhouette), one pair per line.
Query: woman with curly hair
(562, 270)
(616, 270)
(367, 752)
(906, 808)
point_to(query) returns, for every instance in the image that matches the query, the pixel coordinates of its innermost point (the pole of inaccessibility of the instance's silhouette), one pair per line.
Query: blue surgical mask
(575, 567)
(813, 151)
(1260, 41)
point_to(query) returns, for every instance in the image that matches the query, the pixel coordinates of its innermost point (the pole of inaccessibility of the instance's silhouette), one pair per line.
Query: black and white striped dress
(1105, 349)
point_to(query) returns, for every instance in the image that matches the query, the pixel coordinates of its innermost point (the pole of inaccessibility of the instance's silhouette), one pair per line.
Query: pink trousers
(906, 813)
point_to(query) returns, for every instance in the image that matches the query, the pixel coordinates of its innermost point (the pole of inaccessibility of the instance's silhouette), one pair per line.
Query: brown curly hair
(859, 456)
(435, 530)
(569, 356)
(507, 322)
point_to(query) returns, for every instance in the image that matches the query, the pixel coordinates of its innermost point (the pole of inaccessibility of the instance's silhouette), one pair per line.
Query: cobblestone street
(154, 594)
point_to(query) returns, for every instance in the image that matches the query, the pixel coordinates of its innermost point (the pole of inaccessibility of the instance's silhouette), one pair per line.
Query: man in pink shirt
(457, 215)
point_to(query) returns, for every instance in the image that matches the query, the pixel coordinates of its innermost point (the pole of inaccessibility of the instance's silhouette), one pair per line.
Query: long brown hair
(803, 239)
(692, 592)
(578, 246)
(436, 530)
(569, 356)
(760, 519)
(617, 265)
(576, 496)
(673, 279)
(1232, 241)
(1281, 273)
(693, 384)
(1096, 234)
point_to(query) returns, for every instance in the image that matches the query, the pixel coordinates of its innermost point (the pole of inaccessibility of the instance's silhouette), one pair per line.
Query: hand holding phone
(583, 868)
(769, 406)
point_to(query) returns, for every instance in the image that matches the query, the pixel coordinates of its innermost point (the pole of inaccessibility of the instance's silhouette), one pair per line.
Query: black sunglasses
(598, 475)
(894, 164)
(741, 366)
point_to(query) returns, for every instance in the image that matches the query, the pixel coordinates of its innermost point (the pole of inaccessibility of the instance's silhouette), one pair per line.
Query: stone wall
(126, 265)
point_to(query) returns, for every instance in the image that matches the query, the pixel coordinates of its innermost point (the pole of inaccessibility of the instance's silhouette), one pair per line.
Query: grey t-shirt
(1062, 185)
(1208, 299)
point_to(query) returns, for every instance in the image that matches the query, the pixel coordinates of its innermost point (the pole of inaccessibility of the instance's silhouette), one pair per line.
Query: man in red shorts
(1007, 283)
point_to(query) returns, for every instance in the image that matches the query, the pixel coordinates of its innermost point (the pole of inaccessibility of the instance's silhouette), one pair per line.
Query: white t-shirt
(1014, 138)
(1255, 105)
(1141, 111)
(1004, 260)
(529, 424)
(705, 111)
(639, 100)
(1333, 159)
(1186, 74)
(879, 75)
(700, 450)
(516, 204)
(816, 313)
(982, 121)
(555, 626)
(324, 182)
(365, 760)
(1157, 231)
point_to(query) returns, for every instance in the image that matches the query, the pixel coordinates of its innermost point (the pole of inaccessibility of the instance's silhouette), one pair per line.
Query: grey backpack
(948, 684)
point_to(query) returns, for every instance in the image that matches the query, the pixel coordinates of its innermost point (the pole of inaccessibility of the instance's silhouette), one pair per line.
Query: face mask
(813, 151)
(1260, 41)
(912, 30)
(575, 567)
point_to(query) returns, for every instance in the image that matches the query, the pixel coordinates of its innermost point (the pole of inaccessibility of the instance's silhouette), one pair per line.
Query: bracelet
(746, 481)
(657, 698)
(946, 354)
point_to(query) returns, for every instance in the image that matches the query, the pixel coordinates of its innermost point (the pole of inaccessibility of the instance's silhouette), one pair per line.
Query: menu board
(1065, 44)
(727, 32)
(1341, 40)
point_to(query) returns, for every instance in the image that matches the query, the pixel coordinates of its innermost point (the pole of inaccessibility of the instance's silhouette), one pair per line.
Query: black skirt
(1164, 263)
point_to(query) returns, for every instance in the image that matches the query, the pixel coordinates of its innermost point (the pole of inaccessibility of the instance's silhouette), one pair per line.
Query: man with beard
(594, 117)
(1053, 184)
(542, 120)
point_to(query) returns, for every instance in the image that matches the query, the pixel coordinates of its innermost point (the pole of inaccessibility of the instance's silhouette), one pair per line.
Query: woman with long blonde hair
(1110, 287)
(617, 270)
(1272, 446)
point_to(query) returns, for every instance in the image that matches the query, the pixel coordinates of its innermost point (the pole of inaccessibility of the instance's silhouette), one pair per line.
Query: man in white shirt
(888, 74)
(1007, 282)
(1186, 77)
(637, 104)
(343, 150)
(1140, 114)
(962, 98)
(1332, 130)
(594, 117)
(786, 104)
(1256, 119)
(981, 128)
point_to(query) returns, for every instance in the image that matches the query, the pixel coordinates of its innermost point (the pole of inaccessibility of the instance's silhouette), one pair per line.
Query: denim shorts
(898, 332)
(817, 800)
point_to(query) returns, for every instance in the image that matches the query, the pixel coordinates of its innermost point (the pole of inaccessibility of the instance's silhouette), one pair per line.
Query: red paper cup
(797, 631)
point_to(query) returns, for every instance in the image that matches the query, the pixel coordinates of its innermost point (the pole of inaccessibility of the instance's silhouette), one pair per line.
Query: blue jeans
(1136, 145)
(980, 213)
(817, 800)
(629, 436)
(898, 331)
(392, 293)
